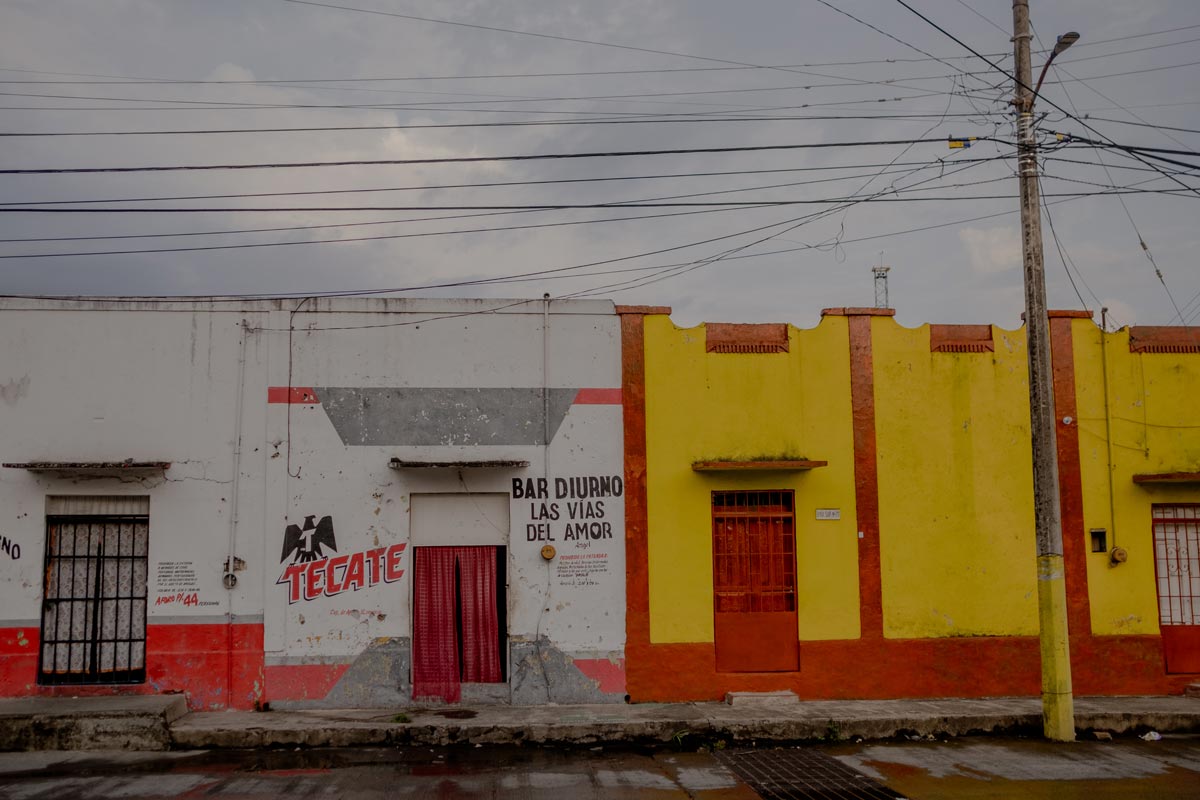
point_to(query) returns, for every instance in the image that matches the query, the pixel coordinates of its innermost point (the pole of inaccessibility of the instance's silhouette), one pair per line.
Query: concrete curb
(89, 723)
(684, 724)
(162, 722)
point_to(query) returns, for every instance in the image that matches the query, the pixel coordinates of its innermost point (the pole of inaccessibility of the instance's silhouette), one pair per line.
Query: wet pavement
(972, 767)
(509, 772)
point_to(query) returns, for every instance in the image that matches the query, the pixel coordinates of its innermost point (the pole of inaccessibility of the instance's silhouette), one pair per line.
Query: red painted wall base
(906, 668)
(217, 666)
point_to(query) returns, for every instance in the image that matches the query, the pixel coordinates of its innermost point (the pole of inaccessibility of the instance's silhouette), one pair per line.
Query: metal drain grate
(802, 774)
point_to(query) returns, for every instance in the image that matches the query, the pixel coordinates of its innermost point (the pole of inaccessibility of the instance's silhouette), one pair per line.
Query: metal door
(754, 581)
(94, 601)
(1177, 566)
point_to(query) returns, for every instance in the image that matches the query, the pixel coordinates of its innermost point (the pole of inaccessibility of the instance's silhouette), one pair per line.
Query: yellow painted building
(847, 510)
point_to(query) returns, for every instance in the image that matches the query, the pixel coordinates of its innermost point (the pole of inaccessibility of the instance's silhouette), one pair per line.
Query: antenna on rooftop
(881, 284)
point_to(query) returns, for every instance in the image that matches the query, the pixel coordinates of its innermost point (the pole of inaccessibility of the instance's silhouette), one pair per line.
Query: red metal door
(754, 581)
(1177, 565)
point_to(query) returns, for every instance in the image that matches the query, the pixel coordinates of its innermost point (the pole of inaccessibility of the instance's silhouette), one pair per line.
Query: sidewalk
(158, 723)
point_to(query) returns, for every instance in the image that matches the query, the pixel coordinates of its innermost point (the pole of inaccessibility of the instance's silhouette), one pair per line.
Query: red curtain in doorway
(435, 635)
(454, 585)
(480, 622)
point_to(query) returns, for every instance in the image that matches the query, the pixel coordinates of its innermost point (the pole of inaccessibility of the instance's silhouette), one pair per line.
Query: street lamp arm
(1064, 41)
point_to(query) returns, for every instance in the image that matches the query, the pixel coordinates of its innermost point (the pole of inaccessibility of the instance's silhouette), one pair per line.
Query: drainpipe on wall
(1112, 501)
(230, 579)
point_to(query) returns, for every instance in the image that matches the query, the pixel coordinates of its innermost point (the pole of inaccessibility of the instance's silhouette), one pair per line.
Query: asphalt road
(962, 768)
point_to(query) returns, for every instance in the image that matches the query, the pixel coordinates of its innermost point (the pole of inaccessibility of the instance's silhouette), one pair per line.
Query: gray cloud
(955, 273)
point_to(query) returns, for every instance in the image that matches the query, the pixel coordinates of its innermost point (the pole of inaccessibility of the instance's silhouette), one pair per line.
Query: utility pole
(1058, 702)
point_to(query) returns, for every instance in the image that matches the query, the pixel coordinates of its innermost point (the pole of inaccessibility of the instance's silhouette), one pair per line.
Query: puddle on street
(976, 768)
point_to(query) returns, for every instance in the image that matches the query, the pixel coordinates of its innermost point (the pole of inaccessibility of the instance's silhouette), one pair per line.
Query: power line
(1127, 72)
(495, 29)
(489, 184)
(1143, 124)
(1119, 52)
(470, 159)
(429, 219)
(520, 277)
(510, 124)
(1020, 83)
(125, 80)
(133, 79)
(412, 107)
(494, 99)
(882, 32)
(840, 204)
(1190, 192)
(334, 241)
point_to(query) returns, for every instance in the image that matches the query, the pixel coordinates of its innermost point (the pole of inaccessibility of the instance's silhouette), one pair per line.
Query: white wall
(159, 381)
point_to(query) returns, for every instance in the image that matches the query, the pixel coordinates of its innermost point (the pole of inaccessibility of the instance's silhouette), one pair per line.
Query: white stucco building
(312, 501)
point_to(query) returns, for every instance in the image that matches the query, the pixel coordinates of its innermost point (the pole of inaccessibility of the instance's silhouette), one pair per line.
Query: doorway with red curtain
(458, 620)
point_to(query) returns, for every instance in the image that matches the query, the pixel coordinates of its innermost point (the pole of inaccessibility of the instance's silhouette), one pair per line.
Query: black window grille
(94, 607)
(754, 551)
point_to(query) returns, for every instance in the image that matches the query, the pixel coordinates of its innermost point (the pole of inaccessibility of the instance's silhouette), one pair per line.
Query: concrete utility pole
(1058, 702)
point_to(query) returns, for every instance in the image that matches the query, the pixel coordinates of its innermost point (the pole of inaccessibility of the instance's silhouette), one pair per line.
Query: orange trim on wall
(961, 339)
(641, 665)
(1070, 483)
(866, 478)
(856, 311)
(1164, 339)
(901, 668)
(643, 310)
(768, 337)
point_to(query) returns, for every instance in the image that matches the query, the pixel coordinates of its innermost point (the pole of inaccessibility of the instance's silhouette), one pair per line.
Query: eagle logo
(306, 542)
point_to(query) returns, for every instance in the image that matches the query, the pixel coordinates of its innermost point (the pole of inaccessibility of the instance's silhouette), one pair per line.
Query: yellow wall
(955, 486)
(711, 406)
(954, 475)
(1155, 428)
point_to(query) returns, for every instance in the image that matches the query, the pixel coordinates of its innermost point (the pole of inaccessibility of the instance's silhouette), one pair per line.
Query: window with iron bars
(1177, 562)
(754, 551)
(94, 601)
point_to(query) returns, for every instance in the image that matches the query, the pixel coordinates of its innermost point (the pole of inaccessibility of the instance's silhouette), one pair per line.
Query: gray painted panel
(406, 416)
(543, 675)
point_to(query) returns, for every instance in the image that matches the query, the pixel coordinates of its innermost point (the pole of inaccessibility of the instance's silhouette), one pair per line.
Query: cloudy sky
(750, 235)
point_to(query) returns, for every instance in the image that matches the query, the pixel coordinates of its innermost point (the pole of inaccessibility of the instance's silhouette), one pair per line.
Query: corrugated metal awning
(762, 466)
(398, 463)
(128, 465)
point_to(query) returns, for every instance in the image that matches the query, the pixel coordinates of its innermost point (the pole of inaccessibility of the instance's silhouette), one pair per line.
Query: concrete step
(1192, 690)
(761, 699)
(89, 723)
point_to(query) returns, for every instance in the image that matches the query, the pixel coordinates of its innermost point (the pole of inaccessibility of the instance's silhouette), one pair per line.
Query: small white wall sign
(829, 513)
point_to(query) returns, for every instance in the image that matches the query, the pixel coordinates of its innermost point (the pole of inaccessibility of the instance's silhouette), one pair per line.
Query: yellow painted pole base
(1058, 702)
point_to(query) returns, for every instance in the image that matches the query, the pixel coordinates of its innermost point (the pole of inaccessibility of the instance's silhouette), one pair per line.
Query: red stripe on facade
(215, 665)
(866, 477)
(1070, 482)
(301, 395)
(609, 675)
(642, 668)
(302, 681)
(598, 397)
